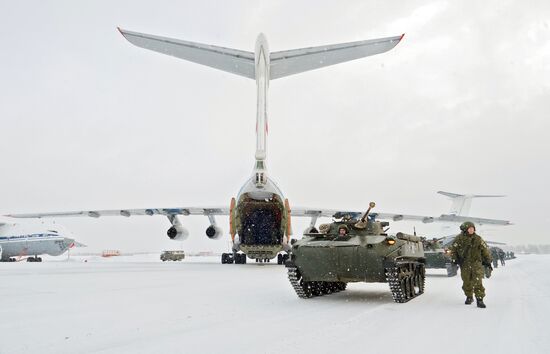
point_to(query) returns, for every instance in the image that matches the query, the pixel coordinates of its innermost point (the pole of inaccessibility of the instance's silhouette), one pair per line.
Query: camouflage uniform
(471, 253)
(502, 257)
(494, 256)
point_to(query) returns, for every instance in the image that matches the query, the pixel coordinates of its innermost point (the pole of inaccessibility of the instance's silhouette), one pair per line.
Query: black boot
(480, 303)
(469, 300)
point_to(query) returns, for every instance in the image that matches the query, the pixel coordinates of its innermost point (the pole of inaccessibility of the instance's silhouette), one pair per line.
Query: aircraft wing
(290, 62)
(320, 212)
(477, 221)
(305, 212)
(495, 243)
(129, 212)
(446, 241)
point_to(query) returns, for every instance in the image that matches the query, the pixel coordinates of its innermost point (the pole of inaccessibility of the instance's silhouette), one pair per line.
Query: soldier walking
(501, 256)
(471, 253)
(494, 256)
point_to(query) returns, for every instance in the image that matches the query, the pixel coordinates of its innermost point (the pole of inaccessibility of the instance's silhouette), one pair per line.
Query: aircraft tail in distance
(461, 203)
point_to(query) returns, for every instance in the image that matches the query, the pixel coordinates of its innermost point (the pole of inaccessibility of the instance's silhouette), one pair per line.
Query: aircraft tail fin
(461, 203)
(290, 62)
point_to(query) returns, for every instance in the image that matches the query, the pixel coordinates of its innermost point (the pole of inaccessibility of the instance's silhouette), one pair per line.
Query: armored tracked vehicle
(356, 250)
(438, 256)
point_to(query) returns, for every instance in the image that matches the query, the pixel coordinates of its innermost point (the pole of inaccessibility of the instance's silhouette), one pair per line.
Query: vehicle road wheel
(285, 257)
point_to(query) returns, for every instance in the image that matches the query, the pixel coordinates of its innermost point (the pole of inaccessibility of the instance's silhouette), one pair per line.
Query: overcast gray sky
(89, 121)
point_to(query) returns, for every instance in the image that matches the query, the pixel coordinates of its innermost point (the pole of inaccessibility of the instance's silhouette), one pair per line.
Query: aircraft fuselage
(16, 242)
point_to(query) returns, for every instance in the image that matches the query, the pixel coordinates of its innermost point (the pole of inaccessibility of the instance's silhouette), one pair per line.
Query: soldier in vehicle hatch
(471, 253)
(342, 231)
(435, 244)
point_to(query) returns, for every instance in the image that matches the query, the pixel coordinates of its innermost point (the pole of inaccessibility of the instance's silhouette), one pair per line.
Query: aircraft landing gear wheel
(240, 258)
(227, 258)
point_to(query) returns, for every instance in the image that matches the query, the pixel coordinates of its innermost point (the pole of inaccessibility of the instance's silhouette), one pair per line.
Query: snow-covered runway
(139, 305)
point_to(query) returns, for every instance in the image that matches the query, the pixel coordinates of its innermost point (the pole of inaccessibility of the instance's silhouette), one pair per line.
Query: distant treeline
(534, 249)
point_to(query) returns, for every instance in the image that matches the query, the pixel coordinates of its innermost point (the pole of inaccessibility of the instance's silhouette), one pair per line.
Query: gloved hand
(488, 270)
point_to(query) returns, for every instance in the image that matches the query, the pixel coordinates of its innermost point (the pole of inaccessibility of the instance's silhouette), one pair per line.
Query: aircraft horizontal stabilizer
(450, 195)
(242, 63)
(231, 60)
(295, 61)
(454, 195)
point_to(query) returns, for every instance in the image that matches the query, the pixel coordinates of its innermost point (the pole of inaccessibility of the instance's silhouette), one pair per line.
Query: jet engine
(177, 233)
(214, 232)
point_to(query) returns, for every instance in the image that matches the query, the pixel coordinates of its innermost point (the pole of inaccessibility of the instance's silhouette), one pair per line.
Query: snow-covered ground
(140, 305)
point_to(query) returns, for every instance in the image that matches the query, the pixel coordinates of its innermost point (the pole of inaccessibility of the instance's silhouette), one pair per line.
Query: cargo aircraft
(27, 241)
(259, 215)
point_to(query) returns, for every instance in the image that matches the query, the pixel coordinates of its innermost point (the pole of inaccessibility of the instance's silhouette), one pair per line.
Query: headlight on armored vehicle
(390, 241)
